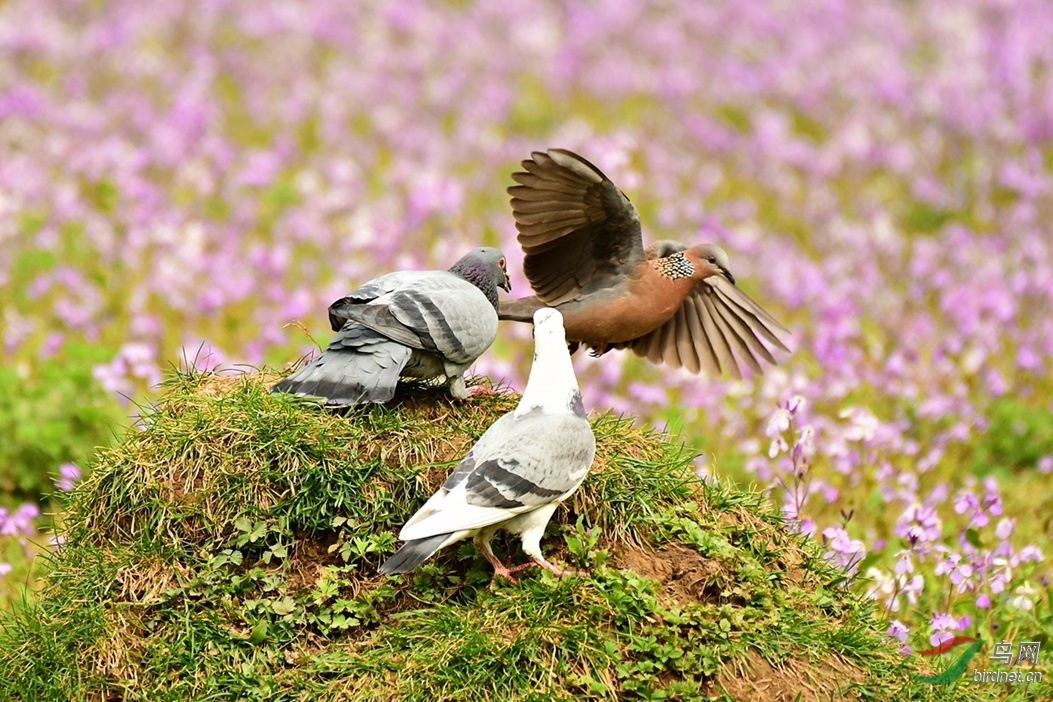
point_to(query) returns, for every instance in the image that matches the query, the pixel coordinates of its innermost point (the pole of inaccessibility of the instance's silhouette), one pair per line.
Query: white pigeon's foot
(482, 543)
(501, 570)
(556, 570)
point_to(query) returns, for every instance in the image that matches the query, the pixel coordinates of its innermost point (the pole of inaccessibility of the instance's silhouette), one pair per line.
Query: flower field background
(181, 181)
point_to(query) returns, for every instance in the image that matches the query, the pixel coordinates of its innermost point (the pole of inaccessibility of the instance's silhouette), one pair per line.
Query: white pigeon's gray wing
(460, 474)
(534, 467)
(539, 459)
(493, 436)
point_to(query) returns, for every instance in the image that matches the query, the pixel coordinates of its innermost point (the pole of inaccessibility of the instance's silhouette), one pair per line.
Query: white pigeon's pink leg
(482, 543)
(535, 524)
(554, 569)
(476, 390)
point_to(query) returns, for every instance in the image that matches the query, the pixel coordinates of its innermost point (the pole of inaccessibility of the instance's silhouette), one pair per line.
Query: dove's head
(709, 260)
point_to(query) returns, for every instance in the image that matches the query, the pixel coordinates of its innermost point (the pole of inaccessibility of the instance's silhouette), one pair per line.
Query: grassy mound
(229, 551)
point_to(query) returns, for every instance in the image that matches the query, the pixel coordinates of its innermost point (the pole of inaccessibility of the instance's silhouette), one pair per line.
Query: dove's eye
(712, 259)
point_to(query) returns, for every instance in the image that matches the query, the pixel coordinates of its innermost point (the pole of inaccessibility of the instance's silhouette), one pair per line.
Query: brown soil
(794, 679)
(684, 574)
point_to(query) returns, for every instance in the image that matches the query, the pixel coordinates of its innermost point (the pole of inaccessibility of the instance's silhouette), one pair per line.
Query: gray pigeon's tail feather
(521, 310)
(359, 366)
(412, 554)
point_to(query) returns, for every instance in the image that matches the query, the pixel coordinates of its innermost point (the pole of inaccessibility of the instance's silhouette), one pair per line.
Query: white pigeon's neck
(552, 386)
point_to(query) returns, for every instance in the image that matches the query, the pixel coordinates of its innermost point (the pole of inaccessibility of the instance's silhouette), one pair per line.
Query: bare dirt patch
(684, 574)
(758, 680)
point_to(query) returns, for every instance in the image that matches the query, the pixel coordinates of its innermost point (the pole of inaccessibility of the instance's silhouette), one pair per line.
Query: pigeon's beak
(727, 274)
(507, 284)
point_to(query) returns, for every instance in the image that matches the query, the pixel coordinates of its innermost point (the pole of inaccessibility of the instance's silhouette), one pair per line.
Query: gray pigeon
(411, 324)
(515, 476)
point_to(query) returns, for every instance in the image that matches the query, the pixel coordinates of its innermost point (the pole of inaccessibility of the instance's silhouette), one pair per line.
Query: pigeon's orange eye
(501, 263)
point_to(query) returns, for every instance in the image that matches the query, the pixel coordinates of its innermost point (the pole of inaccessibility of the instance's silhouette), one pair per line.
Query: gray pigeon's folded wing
(341, 310)
(439, 313)
(543, 461)
(452, 318)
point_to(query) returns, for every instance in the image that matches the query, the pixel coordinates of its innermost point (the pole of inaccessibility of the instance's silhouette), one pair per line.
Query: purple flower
(898, 630)
(69, 474)
(960, 572)
(804, 445)
(1028, 553)
(19, 522)
(943, 625)
(904, 563)
(1004, 528)
(842, 549)
(920, 526)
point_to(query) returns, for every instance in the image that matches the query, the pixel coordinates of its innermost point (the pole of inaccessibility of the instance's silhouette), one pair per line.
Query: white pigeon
(411, 324)
(515, 476)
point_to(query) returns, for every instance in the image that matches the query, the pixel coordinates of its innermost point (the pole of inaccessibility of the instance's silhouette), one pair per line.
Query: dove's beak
(727, 274)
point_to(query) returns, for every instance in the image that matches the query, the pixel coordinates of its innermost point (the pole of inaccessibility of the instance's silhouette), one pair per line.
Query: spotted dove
(669, 303)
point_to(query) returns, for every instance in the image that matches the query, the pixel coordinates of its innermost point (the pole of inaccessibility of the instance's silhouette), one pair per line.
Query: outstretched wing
(717, 327)
(576, 227)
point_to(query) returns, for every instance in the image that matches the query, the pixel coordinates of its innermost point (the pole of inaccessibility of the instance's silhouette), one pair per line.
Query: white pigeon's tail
(412, 554)
(359, 366)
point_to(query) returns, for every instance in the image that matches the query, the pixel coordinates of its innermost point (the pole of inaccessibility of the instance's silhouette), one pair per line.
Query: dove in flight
(669, 302)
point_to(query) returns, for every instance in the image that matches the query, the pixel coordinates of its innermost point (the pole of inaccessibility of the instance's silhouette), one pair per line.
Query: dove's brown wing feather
(576, 228)
(716, 328)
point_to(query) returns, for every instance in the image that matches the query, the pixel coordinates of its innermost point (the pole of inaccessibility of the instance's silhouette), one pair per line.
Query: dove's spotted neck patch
(675, 266)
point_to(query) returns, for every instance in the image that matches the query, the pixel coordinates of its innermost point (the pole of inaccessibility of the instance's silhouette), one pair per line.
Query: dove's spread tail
(412, 554)
(359, 366)
(521, 310)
